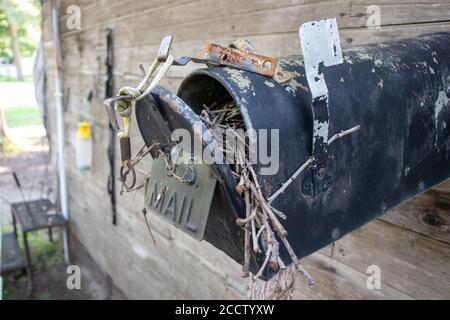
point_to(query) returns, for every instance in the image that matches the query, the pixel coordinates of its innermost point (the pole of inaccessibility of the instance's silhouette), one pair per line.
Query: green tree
(19, 20)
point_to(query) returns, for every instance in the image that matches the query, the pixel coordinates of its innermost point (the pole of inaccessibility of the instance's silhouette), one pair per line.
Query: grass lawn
(21, 117)
(44, 256)
(28, 78)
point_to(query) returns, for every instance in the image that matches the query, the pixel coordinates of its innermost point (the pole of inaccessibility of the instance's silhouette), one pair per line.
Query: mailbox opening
(219, 111)
(203, 90)
(223, 113)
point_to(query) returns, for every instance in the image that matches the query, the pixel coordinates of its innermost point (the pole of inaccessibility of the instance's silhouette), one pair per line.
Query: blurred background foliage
(19, 30)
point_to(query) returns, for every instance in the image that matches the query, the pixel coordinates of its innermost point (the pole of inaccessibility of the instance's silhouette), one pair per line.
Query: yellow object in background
(84, 130)
(84, 145)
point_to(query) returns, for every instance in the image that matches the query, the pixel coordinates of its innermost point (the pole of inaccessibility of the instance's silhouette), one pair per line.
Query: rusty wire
(129, 167)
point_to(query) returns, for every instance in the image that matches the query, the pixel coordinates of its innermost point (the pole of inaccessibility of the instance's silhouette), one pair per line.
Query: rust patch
(241, 59)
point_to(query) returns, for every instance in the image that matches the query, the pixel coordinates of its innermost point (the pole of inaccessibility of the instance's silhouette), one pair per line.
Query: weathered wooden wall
(414, 256)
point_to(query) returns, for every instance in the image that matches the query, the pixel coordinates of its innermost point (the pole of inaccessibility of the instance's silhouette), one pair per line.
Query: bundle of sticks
(262, 227)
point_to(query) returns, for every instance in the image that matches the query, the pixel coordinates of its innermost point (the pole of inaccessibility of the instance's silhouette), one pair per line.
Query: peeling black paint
(391, 90)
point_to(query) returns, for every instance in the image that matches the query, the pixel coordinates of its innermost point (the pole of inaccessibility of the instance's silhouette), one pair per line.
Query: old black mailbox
(397, 92)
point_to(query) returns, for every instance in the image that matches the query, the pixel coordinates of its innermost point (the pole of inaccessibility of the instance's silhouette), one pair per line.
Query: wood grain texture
(423, 215)
(336, 280)
(407, 244)
(442, 193)
(411, 263)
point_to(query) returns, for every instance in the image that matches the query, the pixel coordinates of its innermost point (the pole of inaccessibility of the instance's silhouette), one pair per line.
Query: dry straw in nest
(262, 222)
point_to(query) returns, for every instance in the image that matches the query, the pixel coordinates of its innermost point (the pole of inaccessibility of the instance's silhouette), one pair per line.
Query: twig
(343, 133)
(143, 70)
(277, 225)
(256, 248)
(255, 177)
(275, 254)
(248, 219)
(259, 232)
(260, 216)
(269, 238)
(144, 212)
(297, 262)
(281, 264)
(290, 180)
(247, 250)
(263, 266)
(279, 213)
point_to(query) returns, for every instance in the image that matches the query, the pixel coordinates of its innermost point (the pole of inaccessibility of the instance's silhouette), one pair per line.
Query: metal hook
(109, 106)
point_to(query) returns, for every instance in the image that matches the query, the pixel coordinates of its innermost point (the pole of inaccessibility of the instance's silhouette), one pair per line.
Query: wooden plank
(335, 280)
(409, 262)
(443, 187)
(97, 15)
(172, 13)
(393, 13)
(442, 193)
(275, 20)
(357, 37)
(412, 265)
(201, 272)
(263, 19)
(128, 59)
(128, 55)
(422, 215)
(211, 19)
(100, 168)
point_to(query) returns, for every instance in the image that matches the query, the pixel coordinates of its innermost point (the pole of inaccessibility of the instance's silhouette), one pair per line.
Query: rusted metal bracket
(241, 59)
(240, 55)
(242, 44)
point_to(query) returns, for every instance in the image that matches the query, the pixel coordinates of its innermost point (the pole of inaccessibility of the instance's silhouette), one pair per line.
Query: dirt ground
(49, 284)
(28, 157)
(25, 151)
